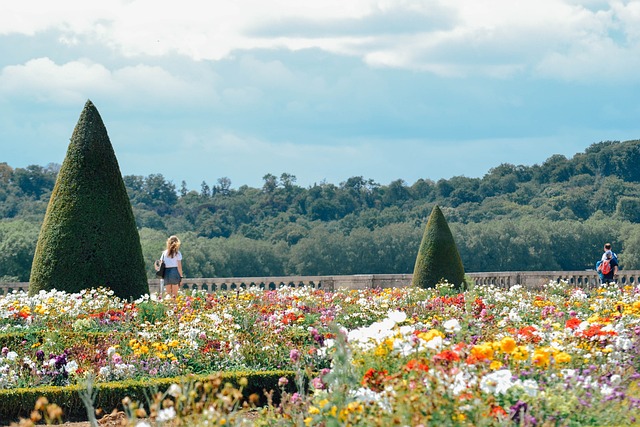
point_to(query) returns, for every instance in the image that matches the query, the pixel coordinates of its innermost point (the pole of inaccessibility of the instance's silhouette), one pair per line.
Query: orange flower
(498, 411)
(416, 365)
(507, 345)
(482, 352)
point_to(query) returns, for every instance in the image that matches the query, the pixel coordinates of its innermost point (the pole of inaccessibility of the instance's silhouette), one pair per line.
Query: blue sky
(324, 90)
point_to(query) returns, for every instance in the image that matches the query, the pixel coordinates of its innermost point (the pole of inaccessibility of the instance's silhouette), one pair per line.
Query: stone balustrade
(528, 279)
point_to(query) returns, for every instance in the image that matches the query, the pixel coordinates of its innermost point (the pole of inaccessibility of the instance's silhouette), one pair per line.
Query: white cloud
(458, 38)
(75, 81)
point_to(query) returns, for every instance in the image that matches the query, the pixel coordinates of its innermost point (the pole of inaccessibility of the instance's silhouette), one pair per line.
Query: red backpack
(605, 267)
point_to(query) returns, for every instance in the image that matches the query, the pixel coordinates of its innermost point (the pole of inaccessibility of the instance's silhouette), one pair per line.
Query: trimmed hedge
(438, 257)
(89, 236)
(17, 403)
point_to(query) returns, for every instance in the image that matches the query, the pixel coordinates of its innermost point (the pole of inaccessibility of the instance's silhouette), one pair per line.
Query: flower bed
(559, 356)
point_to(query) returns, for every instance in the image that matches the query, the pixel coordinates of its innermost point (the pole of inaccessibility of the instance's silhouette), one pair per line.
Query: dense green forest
(552, 216)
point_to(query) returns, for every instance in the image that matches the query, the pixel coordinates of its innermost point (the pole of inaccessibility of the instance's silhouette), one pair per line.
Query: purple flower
(40, 355)
(294, 355)
(61, 361)
(518, 410)
(5, 351)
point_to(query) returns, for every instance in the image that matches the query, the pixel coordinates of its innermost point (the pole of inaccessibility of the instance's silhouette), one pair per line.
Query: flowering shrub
(556, 356)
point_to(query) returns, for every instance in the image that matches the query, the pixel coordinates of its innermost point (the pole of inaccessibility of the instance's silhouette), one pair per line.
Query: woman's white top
(171, 262)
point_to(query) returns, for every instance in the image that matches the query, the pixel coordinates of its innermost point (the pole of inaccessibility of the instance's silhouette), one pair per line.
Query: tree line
(552, 216)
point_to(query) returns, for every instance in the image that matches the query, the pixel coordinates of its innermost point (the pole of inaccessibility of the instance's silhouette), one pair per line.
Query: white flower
(461, 382)
(435, 343)
(616, 379)
(623, 343)
(498, 382)
(529, 386)
(397, 316)
(143, 424)
(71, 367)
(174, 390)
(165, 415)
(605, 390)
(111, 351)
(12, 355)
(451, 325)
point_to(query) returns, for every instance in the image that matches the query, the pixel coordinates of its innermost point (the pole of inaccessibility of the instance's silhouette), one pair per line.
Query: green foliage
(89, 236)
(360, 226)
(628, 208)
(438, 258)
(150, 311)
(17, 244)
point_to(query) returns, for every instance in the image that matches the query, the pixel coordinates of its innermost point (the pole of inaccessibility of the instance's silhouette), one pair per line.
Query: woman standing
(173, 263)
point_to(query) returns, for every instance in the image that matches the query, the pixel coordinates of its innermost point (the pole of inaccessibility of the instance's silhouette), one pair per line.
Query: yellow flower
(562, 357)
(507, 345)
(495, 365)
(381, 350)
(313, 410)
(323, 403)
(354, 407)
(459, 417)
(541, 357)
(333, 411)
(521, 353)
(308, 421)
(428, 336)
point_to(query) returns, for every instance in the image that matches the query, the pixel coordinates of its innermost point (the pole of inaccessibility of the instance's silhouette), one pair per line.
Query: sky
(324, 90)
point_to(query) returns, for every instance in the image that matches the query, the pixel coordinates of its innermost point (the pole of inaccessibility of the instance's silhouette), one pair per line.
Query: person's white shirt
(171, 262)
(613, 255)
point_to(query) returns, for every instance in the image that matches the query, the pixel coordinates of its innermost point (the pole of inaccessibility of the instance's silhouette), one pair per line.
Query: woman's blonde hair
(173, 244)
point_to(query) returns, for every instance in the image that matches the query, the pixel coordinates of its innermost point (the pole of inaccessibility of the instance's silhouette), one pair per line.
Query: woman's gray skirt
(171, 276)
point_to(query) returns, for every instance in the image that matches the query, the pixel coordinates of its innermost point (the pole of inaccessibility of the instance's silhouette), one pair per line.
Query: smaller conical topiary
(89, 236)
(438, 257)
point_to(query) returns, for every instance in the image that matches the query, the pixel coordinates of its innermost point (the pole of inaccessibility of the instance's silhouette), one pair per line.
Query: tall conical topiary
(438, 257)
(89, 236)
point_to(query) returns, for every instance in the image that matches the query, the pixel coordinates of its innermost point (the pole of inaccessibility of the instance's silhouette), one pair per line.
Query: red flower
(572, 323)
(375, 379)
(526, 334)
(446, 356)
(595, 331)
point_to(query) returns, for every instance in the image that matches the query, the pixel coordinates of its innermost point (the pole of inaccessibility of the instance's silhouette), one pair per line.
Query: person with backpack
(607, 268)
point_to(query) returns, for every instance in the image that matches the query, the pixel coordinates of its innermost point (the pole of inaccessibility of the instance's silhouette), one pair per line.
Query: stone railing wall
(528, 279)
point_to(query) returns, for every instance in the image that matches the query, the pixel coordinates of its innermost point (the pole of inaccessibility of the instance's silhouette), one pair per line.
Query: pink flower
(283, 381)
(317, 383)
(294, 355)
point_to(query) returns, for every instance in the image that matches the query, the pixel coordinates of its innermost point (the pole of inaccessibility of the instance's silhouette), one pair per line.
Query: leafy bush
(89, 236)
(438, 258)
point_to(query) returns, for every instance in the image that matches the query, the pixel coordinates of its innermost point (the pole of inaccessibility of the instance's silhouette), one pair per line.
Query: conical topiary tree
(438, 257)
(89, 236)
